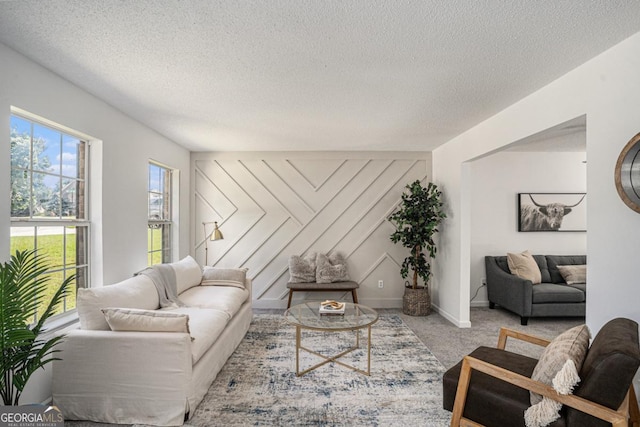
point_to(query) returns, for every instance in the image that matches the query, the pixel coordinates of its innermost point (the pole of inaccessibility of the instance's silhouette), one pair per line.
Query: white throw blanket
(163, 277)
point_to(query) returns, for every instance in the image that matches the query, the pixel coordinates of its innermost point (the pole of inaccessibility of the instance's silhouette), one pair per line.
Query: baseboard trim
(480, 304)
(369, 302)
(269, 304)
(451, 318)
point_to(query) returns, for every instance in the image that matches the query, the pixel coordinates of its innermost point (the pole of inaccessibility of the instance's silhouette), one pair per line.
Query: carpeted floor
(432, 333)
(258, 385)
(450, 344)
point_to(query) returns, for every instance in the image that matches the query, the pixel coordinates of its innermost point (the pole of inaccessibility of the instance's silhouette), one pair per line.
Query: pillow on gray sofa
(573, 274)
(523, 265)
(132, 319)
(302, 270)
(553, 261)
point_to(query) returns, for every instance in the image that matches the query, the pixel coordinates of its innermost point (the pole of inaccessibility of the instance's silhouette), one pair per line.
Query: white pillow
(573, 274)
(569, 345)
(129, 319)
(547, 410)
(135, 292)
(188, 273)
(524, 266)
(235, 277)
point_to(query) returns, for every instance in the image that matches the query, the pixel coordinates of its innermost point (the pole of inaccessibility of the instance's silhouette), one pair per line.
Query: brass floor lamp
(216, 234)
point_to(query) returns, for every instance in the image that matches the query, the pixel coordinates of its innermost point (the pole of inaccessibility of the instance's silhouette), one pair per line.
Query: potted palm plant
(416, 221)
(23, 289)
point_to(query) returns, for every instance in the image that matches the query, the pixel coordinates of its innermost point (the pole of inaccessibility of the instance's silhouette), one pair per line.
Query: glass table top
(307, 315)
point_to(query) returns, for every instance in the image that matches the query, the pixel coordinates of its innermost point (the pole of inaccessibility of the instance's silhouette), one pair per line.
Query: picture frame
(553, 212)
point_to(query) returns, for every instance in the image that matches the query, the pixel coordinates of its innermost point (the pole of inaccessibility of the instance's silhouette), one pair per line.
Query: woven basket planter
(416, 302)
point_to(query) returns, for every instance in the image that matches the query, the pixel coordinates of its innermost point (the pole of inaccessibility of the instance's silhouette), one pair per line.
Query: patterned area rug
(258, 384)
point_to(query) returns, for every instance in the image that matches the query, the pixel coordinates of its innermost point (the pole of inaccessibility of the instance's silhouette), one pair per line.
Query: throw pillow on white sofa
(212, 276)
(188, 273)
(136, 292)
(131, 319)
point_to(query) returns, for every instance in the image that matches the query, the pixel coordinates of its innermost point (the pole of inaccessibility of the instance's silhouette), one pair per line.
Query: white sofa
(155, 378)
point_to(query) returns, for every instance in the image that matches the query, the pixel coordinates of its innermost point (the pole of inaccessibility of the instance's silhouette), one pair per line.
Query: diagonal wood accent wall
(270, 205)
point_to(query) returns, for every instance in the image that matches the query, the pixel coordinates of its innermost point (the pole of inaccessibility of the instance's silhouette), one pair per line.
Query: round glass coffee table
(355, 318)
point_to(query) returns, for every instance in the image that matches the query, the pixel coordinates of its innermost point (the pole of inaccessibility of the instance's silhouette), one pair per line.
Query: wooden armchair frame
(627, 414)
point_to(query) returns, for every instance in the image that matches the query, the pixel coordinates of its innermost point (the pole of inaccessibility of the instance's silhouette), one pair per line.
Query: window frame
(36, 223)
(165, 221)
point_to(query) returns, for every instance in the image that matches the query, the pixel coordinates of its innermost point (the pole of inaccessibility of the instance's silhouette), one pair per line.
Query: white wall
(126, 147)
(273, 205)
(606, 89)
(496, 181)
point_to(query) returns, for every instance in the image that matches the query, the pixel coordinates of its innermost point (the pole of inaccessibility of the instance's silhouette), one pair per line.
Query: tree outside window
(48, 200)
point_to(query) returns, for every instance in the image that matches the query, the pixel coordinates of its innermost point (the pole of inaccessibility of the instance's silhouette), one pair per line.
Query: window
(49, 201)
(159, 227)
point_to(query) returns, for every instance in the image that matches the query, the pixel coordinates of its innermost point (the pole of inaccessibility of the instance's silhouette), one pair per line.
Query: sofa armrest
(109, 370)
(506, 332)
(508, 290)
(248, 284)
(616, 418)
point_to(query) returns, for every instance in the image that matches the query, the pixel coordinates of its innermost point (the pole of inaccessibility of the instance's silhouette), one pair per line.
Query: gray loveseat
(552, 297)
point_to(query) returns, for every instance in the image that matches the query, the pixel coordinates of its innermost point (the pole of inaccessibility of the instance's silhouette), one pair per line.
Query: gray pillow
(302, 270)
(332, 268)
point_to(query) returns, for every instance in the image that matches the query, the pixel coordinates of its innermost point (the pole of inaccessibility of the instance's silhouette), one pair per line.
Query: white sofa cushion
(136, 292)
(224, 298)
(134, 319)
(188, 273)
(205, 325)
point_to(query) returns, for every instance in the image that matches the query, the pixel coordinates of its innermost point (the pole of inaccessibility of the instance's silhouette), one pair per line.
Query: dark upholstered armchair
(491, 385)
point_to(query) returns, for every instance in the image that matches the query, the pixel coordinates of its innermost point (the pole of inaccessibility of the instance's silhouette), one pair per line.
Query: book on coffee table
(332, 307)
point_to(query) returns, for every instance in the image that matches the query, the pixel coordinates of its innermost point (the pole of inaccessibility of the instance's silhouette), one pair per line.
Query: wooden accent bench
(324, 287)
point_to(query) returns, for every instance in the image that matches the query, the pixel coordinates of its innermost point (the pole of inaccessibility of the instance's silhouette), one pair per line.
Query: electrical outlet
(380, 284)
(484, 281)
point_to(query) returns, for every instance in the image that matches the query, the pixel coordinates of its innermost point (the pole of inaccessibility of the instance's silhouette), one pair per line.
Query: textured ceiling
(313, 74)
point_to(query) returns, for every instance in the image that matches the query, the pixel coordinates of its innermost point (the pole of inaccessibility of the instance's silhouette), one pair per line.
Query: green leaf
(23, 287)
(416, 220)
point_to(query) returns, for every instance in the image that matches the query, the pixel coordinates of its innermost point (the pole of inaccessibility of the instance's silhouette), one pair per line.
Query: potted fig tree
(416, 221)
(24, 289)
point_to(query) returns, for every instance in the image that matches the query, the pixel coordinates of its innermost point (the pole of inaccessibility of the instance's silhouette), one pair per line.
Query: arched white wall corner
(495, 182)
(605, 89)
(271, 205)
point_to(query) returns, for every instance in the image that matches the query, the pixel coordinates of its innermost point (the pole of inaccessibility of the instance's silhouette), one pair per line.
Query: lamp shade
(217, 234)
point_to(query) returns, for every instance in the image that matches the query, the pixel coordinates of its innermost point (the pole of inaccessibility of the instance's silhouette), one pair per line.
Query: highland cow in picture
(552, 211)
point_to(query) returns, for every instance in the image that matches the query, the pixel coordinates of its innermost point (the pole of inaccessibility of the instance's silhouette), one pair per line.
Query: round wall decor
(627, 174)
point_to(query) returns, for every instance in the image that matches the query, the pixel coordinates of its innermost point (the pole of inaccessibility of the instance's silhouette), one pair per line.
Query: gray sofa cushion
(553, 261)
(581, 286)
(551, 292)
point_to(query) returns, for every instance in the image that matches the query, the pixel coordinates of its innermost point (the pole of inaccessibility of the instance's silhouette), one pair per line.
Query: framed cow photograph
(552, 212)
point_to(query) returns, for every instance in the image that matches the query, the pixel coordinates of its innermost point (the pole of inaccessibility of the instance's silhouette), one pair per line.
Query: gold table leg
(328, 359)
(298, 350)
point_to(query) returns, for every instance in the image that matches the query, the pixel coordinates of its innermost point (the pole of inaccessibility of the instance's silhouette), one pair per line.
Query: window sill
(60, 324)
